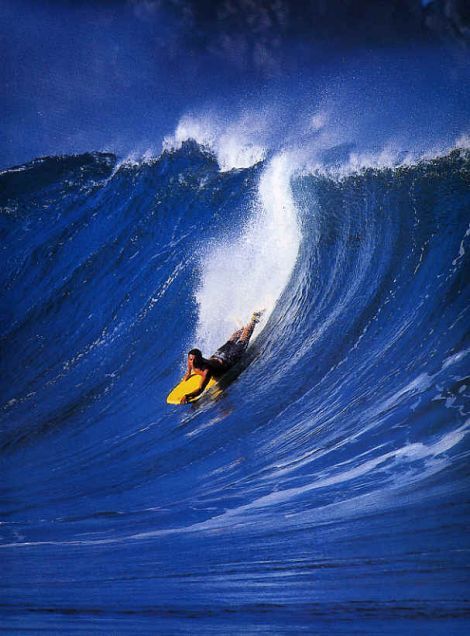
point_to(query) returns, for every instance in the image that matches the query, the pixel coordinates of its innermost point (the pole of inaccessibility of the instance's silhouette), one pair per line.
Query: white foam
(236, 145)
(455, 358)
(463, 142)
(250, 271)
(389, 156)
(318, 121)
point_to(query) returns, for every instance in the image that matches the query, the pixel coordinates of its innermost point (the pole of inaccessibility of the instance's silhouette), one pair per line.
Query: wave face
(326, 489)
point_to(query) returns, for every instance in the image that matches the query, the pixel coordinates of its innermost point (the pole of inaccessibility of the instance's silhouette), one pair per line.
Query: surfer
(222, 360)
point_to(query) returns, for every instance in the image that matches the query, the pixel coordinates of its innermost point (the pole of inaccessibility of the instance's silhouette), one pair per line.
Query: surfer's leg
(229, 353)
(247, 331)
(235, 335)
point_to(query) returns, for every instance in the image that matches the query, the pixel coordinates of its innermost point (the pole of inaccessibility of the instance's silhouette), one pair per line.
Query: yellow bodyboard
(187, 386)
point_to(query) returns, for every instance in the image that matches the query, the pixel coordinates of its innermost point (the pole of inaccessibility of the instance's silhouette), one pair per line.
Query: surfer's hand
(184, 399)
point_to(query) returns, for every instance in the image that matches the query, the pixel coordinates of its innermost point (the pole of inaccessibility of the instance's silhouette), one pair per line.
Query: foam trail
(250, 272)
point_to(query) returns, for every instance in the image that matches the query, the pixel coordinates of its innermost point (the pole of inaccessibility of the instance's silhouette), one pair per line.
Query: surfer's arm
(206, 376)
(187, 375)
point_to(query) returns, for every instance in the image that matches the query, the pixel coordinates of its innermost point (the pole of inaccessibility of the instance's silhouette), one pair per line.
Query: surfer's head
(195, 356)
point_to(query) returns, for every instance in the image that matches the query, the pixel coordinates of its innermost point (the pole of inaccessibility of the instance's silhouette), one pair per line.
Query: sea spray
(238, 144)
(248, 273)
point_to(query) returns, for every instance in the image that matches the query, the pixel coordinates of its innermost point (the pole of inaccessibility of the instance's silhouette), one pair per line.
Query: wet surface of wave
(326, 489)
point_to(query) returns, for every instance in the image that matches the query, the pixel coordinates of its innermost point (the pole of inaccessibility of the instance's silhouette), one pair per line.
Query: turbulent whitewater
(326, 490)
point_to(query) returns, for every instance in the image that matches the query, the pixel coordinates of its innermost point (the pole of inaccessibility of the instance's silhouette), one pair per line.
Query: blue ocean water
(326, 489)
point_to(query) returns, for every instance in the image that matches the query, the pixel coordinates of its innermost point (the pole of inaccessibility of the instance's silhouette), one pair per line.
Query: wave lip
(234, 145)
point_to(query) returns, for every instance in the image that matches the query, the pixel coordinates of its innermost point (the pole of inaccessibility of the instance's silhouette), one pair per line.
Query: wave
(328, 482)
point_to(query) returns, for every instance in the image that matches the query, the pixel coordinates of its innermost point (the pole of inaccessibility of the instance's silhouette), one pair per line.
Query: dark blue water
(326, 491)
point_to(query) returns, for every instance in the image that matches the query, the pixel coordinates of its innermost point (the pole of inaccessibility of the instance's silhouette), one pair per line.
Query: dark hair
(197, 354)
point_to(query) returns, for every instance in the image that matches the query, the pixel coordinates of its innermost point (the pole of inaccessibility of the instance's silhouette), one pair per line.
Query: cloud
(266, 36)
(450, 19)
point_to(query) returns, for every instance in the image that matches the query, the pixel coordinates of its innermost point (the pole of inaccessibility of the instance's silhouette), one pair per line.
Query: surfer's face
(195, 358)
(192, 360)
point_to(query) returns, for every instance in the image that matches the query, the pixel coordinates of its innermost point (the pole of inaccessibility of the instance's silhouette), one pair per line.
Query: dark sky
(118, 74)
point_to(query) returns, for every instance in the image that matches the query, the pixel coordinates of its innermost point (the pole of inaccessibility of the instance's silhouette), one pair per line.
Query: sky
(118, 75)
